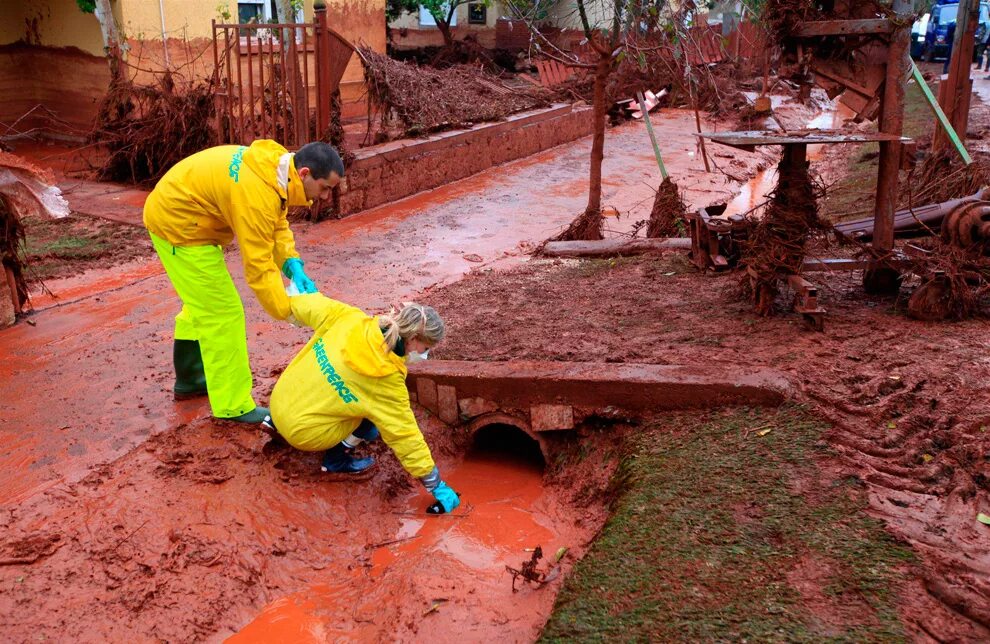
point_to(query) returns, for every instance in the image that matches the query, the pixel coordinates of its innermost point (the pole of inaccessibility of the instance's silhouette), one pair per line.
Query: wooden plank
(614, 247)
(844, 27)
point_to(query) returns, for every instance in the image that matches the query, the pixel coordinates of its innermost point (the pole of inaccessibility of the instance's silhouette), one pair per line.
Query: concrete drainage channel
(268, 549)
(538, 398)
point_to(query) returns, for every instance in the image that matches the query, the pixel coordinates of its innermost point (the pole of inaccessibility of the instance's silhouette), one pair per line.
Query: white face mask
(416, 356)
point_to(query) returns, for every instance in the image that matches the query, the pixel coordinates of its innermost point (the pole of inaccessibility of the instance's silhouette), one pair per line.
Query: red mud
(184, 539)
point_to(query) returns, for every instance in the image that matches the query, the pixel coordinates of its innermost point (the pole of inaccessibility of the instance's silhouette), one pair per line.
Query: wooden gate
(277, 81)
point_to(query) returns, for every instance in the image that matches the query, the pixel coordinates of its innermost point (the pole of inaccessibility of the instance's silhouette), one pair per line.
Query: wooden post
(955, 96)
(880, 278)
(323, 62)
(892, 122)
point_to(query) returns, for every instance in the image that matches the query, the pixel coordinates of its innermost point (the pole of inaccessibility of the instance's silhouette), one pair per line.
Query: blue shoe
(338, 460)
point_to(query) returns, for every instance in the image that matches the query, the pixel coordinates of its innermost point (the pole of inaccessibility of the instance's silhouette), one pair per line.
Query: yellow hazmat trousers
(344, 374)
(211, 313)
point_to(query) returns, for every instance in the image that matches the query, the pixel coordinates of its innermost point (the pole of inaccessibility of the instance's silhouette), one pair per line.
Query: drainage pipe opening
(509, 443)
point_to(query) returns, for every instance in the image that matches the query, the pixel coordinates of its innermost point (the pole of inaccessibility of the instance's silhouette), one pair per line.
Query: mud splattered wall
(360, 22)
(51, 54)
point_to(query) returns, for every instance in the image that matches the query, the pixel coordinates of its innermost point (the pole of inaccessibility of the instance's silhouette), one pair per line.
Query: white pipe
(161, 12)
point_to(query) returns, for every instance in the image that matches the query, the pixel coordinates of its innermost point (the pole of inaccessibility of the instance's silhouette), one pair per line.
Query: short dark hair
(320, 158)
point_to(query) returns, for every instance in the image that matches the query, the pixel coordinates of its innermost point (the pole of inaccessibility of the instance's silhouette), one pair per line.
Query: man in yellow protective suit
(198, 207)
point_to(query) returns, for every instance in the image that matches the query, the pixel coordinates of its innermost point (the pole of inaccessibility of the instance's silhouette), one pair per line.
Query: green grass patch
(719, 533)
(67, 247)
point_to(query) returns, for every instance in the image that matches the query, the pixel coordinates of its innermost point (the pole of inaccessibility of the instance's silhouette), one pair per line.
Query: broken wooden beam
(614, 247)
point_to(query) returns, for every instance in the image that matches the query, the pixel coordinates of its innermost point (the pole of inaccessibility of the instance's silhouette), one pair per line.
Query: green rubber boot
(256, 415)
(190, 379)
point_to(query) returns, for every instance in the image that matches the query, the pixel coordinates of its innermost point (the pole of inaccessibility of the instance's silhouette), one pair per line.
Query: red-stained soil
(907, 399)
(185, 538)
(145, 518)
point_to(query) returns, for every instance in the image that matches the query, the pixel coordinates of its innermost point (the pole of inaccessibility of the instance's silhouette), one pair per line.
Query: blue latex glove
(293, 269)
(446, 497)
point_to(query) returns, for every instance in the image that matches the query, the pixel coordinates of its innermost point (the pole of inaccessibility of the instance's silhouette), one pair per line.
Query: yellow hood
(365, 351)
(276, 167)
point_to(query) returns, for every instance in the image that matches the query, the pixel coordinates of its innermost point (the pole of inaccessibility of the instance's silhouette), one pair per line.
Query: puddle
(755, 191)
(458, 562)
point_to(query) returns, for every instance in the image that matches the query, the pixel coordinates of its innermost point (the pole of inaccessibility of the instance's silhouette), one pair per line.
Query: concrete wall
(51, 53)
(391, 171)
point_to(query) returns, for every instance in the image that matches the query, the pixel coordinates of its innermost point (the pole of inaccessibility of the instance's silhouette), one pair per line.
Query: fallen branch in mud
(391, 542)
(613, 247)
(529, 572)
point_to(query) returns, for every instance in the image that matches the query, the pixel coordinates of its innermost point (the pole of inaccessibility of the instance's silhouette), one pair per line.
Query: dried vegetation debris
(775, 247)
(941, 177)
(667, 219)
(954, 264)
(149, 128)
(429, 100)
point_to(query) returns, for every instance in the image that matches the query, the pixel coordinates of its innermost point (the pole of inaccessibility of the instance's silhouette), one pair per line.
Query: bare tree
(609, 27)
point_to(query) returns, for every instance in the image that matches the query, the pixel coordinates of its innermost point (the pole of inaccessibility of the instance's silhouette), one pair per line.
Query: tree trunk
(598, 142)
(444, 27)
(111, 37)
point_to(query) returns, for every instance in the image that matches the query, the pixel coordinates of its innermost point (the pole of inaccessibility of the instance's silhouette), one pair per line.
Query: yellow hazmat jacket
(209, 197)
(344, 374)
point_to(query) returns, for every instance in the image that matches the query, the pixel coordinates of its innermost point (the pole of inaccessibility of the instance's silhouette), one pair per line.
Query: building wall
(63, 49)
(411, 20)
(184, 19)
(51, 54)
(55, 23)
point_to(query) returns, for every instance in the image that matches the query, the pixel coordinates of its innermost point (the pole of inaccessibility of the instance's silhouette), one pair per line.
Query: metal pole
(653, 137)
(322, 68)
(161, 12)
(942, 118)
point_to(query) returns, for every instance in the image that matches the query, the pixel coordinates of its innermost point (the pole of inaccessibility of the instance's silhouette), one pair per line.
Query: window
(253, 11)
(426, 18)
(261, 11)
(477, 14)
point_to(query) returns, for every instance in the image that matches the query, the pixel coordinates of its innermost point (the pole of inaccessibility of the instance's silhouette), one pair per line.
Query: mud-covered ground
(59, 248)
(185, 538)
(184, 529)
(907, 399)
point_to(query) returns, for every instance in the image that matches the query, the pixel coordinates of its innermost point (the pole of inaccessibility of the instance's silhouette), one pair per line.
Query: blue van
(942, 15)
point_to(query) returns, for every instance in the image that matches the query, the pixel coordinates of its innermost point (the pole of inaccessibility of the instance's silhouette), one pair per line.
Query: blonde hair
(413, 321)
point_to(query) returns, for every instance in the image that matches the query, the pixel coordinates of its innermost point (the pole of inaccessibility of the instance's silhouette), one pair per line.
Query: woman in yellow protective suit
(196, 209)
(348, 385)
